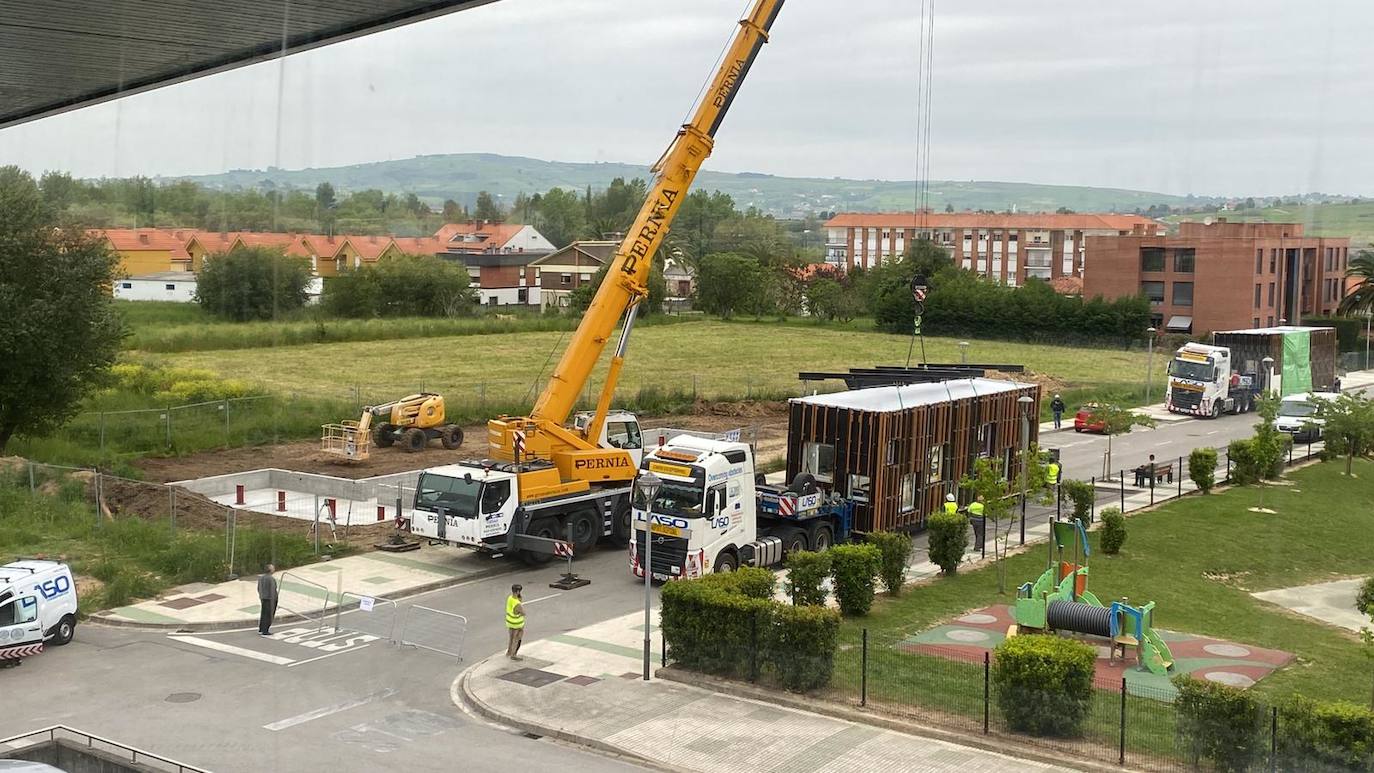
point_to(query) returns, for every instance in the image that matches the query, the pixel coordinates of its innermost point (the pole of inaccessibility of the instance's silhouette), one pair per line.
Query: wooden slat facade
(888, 446)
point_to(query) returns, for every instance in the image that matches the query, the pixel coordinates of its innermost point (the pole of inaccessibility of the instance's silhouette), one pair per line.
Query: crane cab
(620, 430)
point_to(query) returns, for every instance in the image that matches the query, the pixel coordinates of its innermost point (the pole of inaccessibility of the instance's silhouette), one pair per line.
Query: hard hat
(949, 497)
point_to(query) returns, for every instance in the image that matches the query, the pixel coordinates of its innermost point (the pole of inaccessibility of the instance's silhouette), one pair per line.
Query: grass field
(1353, 220)
(1199, 558)
(708, 358)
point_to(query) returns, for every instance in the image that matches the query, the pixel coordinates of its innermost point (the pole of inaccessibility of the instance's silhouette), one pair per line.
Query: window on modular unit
(624, 434)
(908, 492)
(892, 450)
(1151, 258)
(1154, 291)
(987, 439)
(819, 460)
(858, 487)
(1184, 260)
(934, 463)
(1183, 293)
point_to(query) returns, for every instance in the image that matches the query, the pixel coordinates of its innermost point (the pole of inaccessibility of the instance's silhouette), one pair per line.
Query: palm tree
(1361, 298)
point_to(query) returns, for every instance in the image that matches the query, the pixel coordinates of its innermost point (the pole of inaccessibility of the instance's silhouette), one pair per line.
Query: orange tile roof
(144, 239)
(370, 247)
(325, 246)
(419, 245)
(1051, 221)
(1067, 285)
(212, 241)
(491, 236)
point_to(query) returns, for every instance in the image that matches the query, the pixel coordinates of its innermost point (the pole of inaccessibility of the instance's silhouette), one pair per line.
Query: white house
(161, 286)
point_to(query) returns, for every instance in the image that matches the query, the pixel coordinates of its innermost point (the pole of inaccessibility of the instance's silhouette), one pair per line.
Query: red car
(1082, 420)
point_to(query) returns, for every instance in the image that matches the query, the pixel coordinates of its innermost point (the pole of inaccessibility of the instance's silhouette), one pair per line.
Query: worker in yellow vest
(975, 508)
(1052, 473)
(515, 622)
(951, 506)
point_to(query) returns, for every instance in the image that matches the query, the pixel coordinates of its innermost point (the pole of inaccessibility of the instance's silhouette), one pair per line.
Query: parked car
(1082, 421)
(1298, 415)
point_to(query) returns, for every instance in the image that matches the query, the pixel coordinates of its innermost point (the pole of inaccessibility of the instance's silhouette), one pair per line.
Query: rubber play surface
(1239, 665)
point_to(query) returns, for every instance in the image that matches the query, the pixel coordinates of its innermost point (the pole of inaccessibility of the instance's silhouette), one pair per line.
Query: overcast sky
(1232, 97)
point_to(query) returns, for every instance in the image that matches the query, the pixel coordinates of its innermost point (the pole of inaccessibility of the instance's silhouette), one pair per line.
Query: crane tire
(586, 530)
(384, 435)
(543, 527)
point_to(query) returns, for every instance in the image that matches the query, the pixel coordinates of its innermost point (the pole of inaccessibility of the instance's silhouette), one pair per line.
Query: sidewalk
(305, 589)
(586, 687)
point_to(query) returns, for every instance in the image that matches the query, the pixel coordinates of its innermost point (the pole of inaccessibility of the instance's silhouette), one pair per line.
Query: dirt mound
(1048, 384)
(13, 464)
(742, 409)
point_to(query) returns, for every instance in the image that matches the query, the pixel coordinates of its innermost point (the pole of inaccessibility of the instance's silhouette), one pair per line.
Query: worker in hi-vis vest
(950, 505)
(975, 508)
(515, 622)
(1052, 473)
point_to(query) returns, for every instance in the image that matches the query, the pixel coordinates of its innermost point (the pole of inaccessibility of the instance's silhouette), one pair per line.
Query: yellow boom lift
(544, 474)
(412, 421)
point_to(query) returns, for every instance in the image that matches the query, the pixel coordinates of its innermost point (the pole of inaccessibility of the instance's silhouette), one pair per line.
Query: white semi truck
(710, 514)
(1203, 382)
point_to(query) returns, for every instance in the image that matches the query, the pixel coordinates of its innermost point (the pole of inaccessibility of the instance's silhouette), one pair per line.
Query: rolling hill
(460, 176)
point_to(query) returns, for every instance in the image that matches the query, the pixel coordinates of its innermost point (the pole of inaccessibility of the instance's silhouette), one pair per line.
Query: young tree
(59, 331)
(487, 208)
(727, 283)
(1348, 427)
(997, 490)
(1116, 420)
(252, 283)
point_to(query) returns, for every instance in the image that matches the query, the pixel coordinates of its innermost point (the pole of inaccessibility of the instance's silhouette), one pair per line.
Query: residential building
(146, 250)
(681, 279)
(1009, 248)
(330, 254)
(559, 273)
(158, 286)
(414, 245)
(498, 258)
(1219, 275)
(482, 236)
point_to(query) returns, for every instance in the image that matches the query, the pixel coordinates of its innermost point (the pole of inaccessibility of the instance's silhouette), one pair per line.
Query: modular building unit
(1304, 357)
(896, 451)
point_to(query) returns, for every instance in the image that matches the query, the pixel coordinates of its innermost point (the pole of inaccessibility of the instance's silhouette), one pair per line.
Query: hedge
(1043, 684)
(1202, 468)
(1315, 736)
(724, 624)
(853, 568)
(1364, 600)
(806, 573)
(1113, 531)
(895, 548)
(1218, 723)
(947, 539)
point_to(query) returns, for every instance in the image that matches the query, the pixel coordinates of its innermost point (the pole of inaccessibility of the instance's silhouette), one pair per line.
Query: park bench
(1161, 471)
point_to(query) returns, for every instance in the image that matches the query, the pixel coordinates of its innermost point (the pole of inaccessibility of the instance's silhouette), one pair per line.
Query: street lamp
(1149, 362)
(1268, 374)
(963, 352)
(648, 485)
(1025, 402)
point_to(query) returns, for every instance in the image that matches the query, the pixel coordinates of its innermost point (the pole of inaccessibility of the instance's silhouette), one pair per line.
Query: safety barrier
(302, 599)
(434, 630)
(137, 756)
(372, 615)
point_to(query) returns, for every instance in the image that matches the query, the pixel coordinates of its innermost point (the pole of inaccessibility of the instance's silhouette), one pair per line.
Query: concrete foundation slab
(1330, 602)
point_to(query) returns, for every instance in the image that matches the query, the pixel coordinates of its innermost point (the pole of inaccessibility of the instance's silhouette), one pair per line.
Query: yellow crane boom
(576, 454)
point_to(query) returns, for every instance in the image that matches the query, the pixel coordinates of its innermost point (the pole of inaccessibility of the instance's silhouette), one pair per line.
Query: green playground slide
(1155, 654)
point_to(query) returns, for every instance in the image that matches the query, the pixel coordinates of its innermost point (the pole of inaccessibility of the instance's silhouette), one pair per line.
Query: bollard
(281, 501)
(333, 505)
(381, 512)
(238, 494)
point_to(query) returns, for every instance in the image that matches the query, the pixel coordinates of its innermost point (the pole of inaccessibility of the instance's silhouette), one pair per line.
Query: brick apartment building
(1220, 275)
(1009, 248)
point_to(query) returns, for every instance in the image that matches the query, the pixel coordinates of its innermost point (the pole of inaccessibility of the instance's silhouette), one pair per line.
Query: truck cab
(468, 504)
(1202, 382)
(620, 430)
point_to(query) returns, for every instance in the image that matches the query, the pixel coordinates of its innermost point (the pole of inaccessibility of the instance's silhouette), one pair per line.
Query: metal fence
(372, 615)
(434, 630)
(302, 599)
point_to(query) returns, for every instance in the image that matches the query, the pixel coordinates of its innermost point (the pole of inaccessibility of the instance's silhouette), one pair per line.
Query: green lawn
(711, 358)
(1199, 558)
(1352, 220)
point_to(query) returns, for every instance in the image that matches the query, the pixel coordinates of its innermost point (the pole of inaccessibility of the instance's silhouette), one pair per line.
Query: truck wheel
(1216, 409)
(413, 440)
(383, 436)
(793, 541)
(585, 531)
(725, 562)
(64, 630)
(544, 527)
(821, 537)
(621, 528)
(451, 436)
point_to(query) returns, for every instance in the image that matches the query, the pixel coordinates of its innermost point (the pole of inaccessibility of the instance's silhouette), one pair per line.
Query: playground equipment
(1060, 601)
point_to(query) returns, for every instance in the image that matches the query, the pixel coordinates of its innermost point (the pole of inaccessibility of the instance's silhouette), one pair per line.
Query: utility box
(1304, 357)
(896, 451)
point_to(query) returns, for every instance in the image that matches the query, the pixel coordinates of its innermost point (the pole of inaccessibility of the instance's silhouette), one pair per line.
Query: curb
(244, 622)
(1006, 748)
(461, 694)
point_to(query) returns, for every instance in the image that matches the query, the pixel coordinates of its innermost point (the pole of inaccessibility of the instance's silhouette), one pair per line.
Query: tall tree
(561, 217)
(59, 331)
(453, 213)
(252, 283)
(727, 283)
(487, 208)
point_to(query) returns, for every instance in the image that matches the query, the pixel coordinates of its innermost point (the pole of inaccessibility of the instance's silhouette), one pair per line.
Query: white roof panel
(899, 398)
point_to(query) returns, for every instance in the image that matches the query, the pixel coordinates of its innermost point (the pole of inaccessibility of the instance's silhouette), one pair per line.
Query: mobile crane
(543, 479)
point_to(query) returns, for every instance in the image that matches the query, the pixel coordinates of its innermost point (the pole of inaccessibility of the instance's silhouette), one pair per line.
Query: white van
(1298, 415)
(37, 605)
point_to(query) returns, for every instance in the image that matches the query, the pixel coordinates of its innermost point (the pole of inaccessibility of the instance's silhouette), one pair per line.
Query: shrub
(1218, 723)
(800, 646)
(1081, 494)
(1043, 684)
(1202, 468)
(1244, 458)
(947, 538)
(402, 286)
(806, 572)
(1364, 600)
(895, 548)
(252, 283)
(853, 569)
(1113, 531)
(1324, 736)
(751, 581)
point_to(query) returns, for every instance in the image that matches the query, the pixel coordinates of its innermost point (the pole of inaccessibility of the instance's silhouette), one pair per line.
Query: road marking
(1213, 432)
(327, 655)
(542, 598)
(220, 646)
(325, 711)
